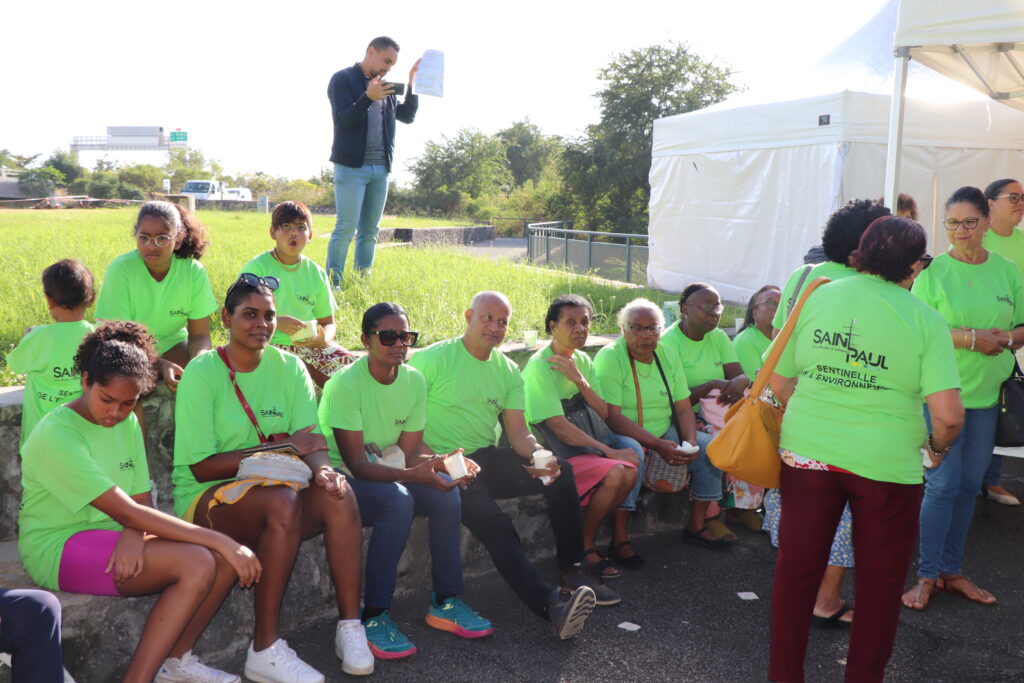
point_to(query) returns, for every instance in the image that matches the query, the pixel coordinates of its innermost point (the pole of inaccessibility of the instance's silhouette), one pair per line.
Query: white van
(205, 189)
(238, 193)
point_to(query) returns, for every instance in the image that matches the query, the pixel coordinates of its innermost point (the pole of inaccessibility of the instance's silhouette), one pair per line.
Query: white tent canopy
(739, 195)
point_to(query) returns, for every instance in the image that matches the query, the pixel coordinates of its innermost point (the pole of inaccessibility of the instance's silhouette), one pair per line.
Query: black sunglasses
(390, 337)
(270, 282)
(926, 260)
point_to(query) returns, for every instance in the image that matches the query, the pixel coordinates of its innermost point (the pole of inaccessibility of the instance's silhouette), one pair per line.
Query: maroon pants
(885, 520)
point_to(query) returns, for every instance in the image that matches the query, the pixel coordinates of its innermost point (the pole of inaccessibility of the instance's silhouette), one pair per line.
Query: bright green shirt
(829, 269)
(616, 377)
(750, 345)
(354, 401)
(47, 356)
(129, 292)
(303, 292)
(1010, 247)
(209, 418)
(981, 296)
(546, 387)
(67, 463)
(465, 395)
(702, 360)
(866, 352)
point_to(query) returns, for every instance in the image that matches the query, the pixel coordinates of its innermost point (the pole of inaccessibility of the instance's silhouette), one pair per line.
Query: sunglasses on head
(390, 337)
(926, 260)
(270, 282)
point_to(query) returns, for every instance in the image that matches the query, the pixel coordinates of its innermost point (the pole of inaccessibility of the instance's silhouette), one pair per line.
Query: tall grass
(433, 285)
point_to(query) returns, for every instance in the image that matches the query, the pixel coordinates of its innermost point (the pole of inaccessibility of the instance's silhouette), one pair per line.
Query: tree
(606, 170)
(67, 163)
(527, 150)
(470, 162)
(190, 164)
(17, 161)
(145, 177)
(40, 182)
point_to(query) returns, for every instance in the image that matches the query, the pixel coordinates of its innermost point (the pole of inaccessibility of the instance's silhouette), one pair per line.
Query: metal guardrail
(539, 246)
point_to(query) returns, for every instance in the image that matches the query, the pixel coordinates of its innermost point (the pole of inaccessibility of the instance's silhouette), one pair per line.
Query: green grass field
(434, 285)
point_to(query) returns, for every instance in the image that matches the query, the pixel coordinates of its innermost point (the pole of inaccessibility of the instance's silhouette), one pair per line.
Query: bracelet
(935, 451)
(974, 338)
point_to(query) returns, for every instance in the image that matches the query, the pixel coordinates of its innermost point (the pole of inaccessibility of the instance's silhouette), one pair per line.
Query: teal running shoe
(386, 641)
(456, 617)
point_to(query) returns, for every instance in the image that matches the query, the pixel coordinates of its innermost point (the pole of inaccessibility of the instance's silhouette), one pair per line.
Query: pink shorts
(85, 557)
(589, 471)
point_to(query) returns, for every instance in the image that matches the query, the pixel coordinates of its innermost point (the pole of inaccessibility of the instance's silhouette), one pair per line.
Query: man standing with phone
(364, 107)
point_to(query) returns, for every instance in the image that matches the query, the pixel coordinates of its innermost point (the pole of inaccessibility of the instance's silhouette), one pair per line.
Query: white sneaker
(189, 669)
(352, 649)
(279, 664)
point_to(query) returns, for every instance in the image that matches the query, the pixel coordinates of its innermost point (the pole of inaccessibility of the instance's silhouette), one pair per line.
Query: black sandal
(631, 562)
(602, 569)
(697, 538)
(835, 621)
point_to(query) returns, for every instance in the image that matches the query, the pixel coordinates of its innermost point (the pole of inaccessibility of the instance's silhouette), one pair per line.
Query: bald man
(470, 386)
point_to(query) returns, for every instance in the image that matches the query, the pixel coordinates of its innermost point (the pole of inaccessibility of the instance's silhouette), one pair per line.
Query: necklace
(273, 252)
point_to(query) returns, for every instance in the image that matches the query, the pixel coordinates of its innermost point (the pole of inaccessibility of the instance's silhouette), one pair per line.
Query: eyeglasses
(709, 309)
(160, 240)
(646, 330)
(926, 260)
(771, 304)
(390, 337)
(1013, 197)
(969, 223)
(270, 282)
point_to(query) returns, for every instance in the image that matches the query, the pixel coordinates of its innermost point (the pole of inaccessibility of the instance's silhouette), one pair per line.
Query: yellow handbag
(747, 447)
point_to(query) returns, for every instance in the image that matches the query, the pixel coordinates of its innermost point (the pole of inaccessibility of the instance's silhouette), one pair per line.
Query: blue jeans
(359, 196)
(949, 493)
(30, 632)
(389, 508)
(619, 441)
(705, 478)
(994, 473)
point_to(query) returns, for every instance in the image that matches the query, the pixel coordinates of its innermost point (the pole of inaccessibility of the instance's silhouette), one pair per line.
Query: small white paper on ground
(745, 595)
(430, 74)
(629, 626)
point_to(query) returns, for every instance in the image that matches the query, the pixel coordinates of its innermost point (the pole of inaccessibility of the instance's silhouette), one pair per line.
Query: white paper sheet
(430, 75)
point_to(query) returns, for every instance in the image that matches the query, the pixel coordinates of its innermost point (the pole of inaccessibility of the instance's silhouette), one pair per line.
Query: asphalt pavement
(694, 626)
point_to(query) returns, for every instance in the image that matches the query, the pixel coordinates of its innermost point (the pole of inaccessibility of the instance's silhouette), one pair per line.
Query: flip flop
(697, 538)
(943, 585)
(919, 595)
(835, 621)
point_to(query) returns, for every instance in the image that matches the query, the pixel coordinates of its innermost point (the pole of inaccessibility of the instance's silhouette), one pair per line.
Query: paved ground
(500, 248)
(695, 628)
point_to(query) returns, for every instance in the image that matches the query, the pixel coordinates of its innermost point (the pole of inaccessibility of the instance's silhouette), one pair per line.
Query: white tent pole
(896, 110)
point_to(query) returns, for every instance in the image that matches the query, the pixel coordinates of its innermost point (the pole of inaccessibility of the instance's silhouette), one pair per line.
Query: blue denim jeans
(359, 196)
(949, 493)
(705, 478)
(389, 508)
(620, 441)
(994, 473)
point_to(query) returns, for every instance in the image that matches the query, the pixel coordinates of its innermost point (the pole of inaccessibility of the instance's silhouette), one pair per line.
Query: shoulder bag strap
(222, 352)
(796, 291)
(636, 384)
(671, 402)
(780, 342)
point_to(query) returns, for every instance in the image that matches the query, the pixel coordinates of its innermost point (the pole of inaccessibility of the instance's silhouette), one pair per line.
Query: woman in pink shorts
(87, 500)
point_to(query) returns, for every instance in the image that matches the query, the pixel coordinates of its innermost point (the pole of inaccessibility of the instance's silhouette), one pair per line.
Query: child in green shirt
(46, 354)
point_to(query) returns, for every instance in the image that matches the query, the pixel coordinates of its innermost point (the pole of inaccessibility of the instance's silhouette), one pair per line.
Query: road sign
(179, 136)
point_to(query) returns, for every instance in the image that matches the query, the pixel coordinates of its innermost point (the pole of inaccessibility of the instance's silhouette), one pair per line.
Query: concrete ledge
(423, 237)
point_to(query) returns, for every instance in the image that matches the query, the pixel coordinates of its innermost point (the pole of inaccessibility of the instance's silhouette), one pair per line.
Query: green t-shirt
(47, 355)
(209, 418)
(981, 296)
(302, 293)
(465, 396)
(702, 361)
(866, 353)
(67, 463)
(616, 377)
(354, 401)
(829, 269)
(1010, 247)
(750, 345)
(546, 387)
(129, 292)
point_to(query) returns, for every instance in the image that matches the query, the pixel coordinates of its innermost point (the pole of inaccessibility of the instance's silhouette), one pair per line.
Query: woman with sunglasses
(980, 295)
(162, 285)
(228, 402)
(716, 381)
(305, 302)
(374, 414)
(1006, 208)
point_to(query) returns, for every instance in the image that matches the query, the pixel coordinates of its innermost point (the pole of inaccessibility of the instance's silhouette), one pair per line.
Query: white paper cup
(307, 331)
(687, 448)
(542, 460)
(530, 339)
(456, 465)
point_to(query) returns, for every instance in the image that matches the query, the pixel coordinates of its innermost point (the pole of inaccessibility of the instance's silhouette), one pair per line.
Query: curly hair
(195, 243)
(69, 284)
(564, 301)
(119, 348)
(890, 247)
(842, 232)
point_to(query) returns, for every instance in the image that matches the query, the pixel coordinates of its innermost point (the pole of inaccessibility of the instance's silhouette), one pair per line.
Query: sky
(248, 80)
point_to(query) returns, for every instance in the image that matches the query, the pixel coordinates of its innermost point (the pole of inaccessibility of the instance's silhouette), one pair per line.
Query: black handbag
(584, 418)
(1010, 420)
